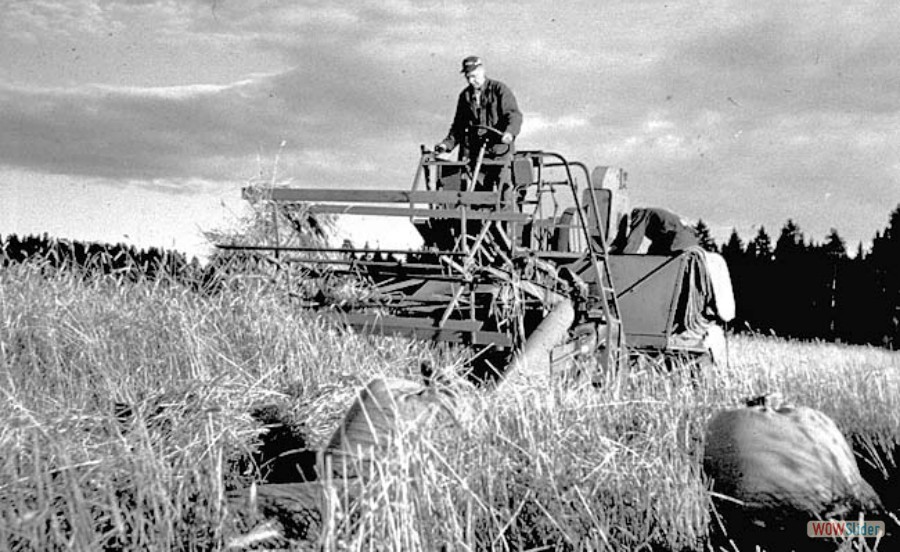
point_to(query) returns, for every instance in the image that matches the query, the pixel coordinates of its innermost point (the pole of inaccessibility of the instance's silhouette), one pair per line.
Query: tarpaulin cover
(706, 297)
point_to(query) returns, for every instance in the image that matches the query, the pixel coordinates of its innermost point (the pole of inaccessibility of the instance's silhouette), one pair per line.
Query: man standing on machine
(484, 104)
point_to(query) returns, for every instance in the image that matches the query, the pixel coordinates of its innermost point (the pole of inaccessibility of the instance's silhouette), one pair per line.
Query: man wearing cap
(485, 102)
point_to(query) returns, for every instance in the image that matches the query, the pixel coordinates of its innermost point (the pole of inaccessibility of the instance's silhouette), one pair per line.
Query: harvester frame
(524, 269)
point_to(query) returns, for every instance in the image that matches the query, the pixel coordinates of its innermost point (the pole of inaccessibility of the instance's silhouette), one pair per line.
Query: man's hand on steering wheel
(498, 136)
(488, 132)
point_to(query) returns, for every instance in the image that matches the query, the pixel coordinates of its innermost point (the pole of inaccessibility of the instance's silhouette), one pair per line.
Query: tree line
(804, 289)
(793, 287)
(124, 262)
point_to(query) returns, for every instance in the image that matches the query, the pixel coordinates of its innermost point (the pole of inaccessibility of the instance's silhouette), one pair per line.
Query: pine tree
(885, 259)
(790, 242)
(760, 247)
(704, 236)
(734, 247)
(834, 246)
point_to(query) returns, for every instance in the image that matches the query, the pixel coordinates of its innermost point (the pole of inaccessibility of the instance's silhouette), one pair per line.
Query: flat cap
(470, 63)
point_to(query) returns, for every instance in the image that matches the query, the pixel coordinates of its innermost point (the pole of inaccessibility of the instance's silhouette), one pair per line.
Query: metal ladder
(614, 340)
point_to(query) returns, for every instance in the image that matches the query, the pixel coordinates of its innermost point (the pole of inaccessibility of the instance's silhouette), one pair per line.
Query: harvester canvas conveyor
(524, 271)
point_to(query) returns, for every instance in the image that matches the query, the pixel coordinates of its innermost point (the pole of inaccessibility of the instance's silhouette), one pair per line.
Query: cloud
(349, 96)
(711, 107)
(329, 125)
(180, 92)
(39, 20)
(131, 132)
(539, 123)
(35, 19)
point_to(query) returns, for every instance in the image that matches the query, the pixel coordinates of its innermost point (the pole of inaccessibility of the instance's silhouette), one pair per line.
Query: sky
(138, 121)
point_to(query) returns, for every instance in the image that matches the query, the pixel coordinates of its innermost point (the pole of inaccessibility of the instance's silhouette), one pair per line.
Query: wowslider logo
(844, 529)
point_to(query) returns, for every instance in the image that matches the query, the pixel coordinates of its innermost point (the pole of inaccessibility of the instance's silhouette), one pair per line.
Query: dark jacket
(498, 110)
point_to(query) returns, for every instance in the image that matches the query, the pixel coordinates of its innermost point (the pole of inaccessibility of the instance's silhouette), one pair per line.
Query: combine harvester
(526, 277)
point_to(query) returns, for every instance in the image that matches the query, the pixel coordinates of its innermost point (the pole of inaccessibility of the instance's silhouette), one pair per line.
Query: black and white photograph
(450, 275)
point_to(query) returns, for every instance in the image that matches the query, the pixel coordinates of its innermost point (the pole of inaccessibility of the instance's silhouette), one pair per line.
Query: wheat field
(125, 423)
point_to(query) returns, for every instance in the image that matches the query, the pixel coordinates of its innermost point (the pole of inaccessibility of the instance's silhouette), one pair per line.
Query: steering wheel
(489, 134)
